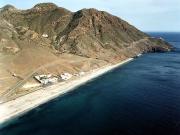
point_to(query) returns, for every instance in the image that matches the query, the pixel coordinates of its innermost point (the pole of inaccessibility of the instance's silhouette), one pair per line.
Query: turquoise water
(140, 98)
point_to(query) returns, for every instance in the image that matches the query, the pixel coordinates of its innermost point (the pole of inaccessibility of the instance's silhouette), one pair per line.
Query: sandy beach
(21, 105)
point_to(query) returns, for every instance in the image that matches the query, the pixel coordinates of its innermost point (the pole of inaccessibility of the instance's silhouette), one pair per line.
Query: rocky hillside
(88, 32)
(50, 35)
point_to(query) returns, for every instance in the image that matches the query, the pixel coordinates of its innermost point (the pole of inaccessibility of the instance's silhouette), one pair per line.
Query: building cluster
(50, 79)
(45, 79)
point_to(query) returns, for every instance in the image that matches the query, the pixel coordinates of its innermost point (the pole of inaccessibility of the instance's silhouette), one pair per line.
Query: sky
(146, 15)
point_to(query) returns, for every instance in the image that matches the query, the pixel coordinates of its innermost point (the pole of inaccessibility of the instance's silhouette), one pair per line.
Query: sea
(139, 98)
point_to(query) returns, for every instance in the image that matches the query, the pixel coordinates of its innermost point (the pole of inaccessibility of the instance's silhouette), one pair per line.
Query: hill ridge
(81, 40)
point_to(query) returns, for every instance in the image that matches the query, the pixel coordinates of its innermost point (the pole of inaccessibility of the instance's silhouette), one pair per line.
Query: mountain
(51, 39)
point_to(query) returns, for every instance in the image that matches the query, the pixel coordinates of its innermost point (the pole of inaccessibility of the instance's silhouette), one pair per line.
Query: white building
(45, 79)
(45, 35)
(81, 73)
(53, 80)
(65, 76)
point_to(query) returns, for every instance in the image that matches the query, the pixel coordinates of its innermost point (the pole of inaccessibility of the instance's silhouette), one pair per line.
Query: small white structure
(39, 77)
(65, 76)
(45, 35)
(45, 79)
(53, 80)
(81, 73)
(62, 38)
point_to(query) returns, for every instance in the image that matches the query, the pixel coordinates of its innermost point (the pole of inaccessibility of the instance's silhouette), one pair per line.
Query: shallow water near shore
(139, 98)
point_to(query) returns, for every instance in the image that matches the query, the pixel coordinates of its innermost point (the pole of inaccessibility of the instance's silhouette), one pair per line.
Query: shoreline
(15, 108)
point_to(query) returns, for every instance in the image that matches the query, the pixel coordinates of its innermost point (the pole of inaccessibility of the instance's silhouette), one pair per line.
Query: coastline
(22, 105)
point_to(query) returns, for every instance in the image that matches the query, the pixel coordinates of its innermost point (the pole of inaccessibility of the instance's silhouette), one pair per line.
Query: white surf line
(21, 105)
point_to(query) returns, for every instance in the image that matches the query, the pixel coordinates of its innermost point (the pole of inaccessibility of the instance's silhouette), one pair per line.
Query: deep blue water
(140, 98)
